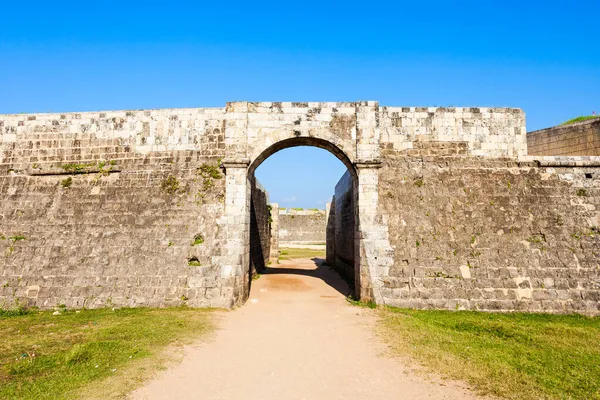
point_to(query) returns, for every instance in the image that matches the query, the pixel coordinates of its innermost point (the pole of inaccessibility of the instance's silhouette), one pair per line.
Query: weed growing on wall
(198, 239)
(77, 168)
(194, 262)
(14, 240)
(209, 173)
(66, 182)
(170, 185)
(101, 168)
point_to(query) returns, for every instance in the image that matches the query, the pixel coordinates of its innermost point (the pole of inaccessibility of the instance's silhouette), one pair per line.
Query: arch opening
(303, 141)
(297, 233)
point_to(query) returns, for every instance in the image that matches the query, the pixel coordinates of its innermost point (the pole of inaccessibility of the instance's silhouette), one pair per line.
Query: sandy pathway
(296, 338)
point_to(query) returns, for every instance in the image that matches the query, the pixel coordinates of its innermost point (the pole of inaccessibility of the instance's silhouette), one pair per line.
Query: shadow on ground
(322, 271)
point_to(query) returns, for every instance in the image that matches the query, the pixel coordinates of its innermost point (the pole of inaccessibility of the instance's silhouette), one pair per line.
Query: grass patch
(13, 312)
(513, 356)
(580, 119)
(367, 304)
(290, 253)
(45, 356)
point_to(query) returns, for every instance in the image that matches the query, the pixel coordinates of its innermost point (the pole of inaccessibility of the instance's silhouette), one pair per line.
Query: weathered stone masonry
(260, 228)
(96, 211)
(153, 207)
(301, 227)
(577, 139)
(490, 234)
(342, 227)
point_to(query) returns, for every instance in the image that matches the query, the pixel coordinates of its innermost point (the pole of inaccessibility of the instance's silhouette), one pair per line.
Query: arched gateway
(347, 130)
(152, 207)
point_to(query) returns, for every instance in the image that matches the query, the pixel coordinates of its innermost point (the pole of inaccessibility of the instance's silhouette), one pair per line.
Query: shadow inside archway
(320, 270)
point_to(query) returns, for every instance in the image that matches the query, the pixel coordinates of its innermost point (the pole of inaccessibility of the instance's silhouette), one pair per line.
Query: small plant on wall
(198, 239)
(66, 182)
(208, 173)
(170, 185)
(194, 262)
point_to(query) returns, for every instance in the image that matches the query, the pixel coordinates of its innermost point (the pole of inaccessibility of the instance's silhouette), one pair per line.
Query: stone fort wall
(300, 226)
(137, 208)
(342, 226)
(578, 139)
(260, 228)
(491, 234)
(117, 208)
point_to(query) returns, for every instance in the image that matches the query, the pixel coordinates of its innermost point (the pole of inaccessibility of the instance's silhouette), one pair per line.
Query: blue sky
(300, 177)
(543, 57)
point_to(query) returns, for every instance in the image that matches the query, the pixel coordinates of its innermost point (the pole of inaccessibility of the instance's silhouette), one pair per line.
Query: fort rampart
(577, 139)
(154, 207)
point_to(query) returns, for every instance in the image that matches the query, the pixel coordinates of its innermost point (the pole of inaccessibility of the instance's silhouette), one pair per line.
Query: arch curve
(303, 141)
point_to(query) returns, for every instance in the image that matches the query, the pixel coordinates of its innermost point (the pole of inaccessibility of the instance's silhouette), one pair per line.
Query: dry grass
(512, 356)
(90, 353)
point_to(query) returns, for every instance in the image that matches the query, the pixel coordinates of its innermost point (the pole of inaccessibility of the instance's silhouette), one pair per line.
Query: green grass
(512, 356)
(75, 354)
(580, 119)
(367, 304)
(290, 253)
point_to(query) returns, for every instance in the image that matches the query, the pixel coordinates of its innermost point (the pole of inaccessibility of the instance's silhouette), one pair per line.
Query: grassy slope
(579, 119)
(45, 356)
(290, 253)
(514, 356)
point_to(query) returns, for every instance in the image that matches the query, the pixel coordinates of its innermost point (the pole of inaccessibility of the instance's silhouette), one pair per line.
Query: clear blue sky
(543, 57)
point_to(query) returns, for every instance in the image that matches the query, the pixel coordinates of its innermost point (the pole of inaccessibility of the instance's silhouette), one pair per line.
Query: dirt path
(296, 338)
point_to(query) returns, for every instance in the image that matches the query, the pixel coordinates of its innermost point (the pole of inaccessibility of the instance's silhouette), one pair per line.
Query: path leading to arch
(296, 338)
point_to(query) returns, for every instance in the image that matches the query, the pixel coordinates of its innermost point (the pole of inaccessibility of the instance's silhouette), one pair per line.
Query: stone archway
(350, 131)
(351, 208)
